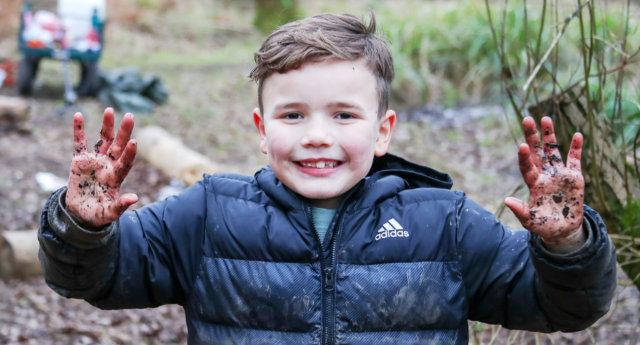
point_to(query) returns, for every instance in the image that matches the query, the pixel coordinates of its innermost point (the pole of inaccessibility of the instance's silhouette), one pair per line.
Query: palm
(555, 207)
(93, 195)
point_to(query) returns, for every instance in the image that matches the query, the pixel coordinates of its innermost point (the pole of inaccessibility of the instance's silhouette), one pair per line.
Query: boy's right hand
(93, 197)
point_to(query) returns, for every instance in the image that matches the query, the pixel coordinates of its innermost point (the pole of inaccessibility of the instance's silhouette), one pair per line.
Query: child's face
(320, 128)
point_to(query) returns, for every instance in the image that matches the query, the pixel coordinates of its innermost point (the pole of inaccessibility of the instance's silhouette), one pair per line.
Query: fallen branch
(168, 154)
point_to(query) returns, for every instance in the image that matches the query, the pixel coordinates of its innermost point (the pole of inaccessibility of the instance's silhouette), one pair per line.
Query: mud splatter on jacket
(240, 254)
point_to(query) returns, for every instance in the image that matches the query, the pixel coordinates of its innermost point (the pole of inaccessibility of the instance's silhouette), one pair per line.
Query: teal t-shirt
(322, 219)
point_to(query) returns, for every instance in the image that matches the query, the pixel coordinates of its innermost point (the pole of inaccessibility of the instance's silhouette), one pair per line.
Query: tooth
(320, 165)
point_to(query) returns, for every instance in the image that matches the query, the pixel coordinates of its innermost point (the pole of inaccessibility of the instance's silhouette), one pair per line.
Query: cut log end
(19, 254)
(13, 110)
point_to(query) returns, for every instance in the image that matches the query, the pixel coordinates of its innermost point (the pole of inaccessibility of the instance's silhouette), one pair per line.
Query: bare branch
(553, 44)
(611, 46)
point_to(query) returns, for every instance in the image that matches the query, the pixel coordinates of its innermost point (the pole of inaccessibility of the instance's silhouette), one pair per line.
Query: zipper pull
(329, 279)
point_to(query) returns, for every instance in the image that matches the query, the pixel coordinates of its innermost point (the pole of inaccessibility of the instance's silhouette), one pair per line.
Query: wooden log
(169, 155)
(19, 254)
(13, 110)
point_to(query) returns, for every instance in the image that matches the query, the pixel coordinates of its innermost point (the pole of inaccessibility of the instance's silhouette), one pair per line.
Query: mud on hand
(555, 209)
(93, 195)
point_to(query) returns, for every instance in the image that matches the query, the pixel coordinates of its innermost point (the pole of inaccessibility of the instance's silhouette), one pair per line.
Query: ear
(259, 122)
(386, 125)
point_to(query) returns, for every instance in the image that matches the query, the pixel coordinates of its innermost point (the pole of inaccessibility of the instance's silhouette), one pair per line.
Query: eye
(292, 116)
(345, 116)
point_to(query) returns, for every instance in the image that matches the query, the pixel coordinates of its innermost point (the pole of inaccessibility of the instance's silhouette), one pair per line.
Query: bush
(445, 53)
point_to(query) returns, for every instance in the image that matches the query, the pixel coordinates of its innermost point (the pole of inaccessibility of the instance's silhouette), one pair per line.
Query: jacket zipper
(328, 278)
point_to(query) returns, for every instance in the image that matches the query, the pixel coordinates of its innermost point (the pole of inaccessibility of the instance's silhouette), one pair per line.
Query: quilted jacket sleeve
(512, 280)
(147, 258)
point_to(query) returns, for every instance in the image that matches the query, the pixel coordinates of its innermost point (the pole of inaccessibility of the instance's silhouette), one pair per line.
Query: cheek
(359, 144)
(280, 143)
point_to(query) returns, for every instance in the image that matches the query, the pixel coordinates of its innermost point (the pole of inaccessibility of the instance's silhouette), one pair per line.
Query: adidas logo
(391, 229)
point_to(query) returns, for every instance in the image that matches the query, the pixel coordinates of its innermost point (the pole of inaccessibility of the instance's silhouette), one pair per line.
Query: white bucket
(77, 16)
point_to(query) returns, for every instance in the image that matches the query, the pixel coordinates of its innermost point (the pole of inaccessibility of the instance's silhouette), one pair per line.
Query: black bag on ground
(127, 90)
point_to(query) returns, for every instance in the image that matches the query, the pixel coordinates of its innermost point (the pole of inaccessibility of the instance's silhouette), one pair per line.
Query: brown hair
(326, 37)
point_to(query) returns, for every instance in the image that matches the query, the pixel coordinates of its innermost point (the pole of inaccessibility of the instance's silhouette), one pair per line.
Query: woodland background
(461, 70)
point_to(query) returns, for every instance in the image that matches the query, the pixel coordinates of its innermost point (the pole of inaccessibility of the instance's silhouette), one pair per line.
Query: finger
(550, 144)
(106, 133)
(79, 136)
(527, 168)
(531, 135)
(575, 153)
(122, 138)
(124, 201)
(124, 164)
(519, 209)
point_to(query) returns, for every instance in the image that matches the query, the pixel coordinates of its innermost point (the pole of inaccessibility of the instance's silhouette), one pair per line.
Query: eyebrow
(338, 104)
(343, 105)
(292, 105)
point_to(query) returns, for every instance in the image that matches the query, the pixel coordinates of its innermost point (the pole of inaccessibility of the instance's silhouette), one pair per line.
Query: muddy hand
(555, 210)
(96, 174)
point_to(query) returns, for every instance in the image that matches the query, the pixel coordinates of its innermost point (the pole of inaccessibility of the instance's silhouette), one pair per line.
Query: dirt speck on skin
(97, 145)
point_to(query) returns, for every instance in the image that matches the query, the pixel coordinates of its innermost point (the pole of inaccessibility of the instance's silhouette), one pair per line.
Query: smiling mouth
(321, 164)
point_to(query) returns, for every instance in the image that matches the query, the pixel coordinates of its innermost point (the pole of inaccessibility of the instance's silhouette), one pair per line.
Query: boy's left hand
(555, 210)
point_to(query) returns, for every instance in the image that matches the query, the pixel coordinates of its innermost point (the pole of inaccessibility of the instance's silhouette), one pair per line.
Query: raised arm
(558, 276)
(91, 250)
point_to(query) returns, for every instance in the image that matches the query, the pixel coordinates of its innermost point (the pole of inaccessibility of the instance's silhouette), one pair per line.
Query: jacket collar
(389, 175)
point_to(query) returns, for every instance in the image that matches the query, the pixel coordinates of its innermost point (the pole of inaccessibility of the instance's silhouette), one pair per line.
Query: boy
(328, 245)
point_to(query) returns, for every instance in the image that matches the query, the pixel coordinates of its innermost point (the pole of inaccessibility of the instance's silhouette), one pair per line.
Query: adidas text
(391, 229)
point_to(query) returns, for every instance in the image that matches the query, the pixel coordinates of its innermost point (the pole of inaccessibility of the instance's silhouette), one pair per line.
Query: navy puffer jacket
(405, 261)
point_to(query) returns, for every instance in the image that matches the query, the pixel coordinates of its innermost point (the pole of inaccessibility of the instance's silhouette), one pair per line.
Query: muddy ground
(210, 109)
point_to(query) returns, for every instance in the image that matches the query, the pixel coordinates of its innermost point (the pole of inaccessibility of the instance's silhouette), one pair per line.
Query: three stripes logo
(391, 229)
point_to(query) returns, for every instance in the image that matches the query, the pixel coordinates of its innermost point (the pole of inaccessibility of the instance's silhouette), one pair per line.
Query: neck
(330, 204)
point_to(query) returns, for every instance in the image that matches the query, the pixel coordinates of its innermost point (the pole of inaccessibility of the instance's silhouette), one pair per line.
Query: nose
(317, 134)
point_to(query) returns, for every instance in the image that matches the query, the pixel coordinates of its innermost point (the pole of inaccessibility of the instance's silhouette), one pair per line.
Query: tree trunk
(569, 116)
(19, 254)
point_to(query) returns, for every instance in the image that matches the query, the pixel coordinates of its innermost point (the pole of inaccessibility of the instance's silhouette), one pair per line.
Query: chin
(318, 193)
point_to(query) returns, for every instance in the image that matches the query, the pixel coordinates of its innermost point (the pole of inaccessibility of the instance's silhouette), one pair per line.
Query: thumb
(126, 200)
(518, 207)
